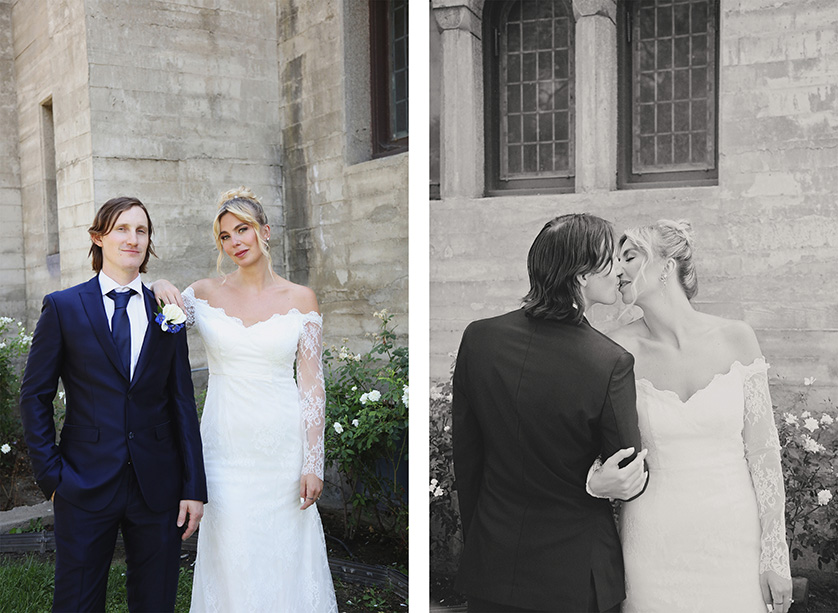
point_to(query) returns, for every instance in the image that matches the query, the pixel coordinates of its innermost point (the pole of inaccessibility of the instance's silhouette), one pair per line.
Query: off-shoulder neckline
(753, 366)
(293, 311)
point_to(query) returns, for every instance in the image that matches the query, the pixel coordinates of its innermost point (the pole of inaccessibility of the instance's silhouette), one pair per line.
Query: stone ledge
(19, 517)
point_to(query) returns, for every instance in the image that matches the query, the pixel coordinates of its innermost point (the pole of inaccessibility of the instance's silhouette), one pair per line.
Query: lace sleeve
(312, 393)
(762, 451)
(189, 306)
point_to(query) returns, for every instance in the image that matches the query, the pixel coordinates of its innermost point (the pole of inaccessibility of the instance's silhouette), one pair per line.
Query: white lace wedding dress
(257, 551)
(712, 516)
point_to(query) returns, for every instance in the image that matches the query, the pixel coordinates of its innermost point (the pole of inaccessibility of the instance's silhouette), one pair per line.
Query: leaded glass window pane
(536, 85)
(673, 97)
(399, 66)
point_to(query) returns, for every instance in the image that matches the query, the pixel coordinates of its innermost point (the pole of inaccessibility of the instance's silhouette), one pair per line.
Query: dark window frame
(626, 146)
(383, 141)
(494, 15)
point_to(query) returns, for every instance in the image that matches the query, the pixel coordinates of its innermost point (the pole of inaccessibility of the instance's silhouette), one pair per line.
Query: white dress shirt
(136, 311)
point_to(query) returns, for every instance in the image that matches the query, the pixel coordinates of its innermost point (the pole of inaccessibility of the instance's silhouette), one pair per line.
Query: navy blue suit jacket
(111, 420)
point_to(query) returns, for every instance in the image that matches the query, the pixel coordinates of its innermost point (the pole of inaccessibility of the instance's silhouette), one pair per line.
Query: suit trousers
(85, 542)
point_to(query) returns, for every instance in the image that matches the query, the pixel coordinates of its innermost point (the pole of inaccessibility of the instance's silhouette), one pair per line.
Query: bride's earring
(663, 279)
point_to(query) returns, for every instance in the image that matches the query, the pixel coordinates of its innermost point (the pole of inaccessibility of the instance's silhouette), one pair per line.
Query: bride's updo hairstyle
(245, 206)
(667, 239)
(567, 246)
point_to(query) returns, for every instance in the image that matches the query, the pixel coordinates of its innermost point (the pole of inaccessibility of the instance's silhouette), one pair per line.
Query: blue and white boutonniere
(170, 317)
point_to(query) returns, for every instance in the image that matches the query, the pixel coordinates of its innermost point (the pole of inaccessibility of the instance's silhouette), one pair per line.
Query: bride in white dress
(261, 545)
(708, 534)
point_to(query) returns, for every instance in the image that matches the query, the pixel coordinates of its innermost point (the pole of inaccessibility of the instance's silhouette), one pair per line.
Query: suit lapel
(152, 336)
(91, 300)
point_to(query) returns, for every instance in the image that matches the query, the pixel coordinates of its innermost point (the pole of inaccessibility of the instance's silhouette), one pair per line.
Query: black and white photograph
(632, 306)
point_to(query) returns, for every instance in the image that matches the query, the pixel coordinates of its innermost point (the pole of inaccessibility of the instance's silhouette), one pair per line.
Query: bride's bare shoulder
(289, 295)
(205, 288)
(732, 338)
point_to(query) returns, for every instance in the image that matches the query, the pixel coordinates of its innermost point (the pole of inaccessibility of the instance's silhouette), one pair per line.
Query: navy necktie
(121, 326)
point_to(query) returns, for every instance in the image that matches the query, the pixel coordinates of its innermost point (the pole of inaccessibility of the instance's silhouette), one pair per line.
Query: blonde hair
(245, 206)
(667, 239)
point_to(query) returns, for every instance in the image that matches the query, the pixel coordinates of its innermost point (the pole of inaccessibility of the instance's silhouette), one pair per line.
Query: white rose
(811, 445)
(824, 496)
(338, 428)
(355, 422)
(811, 424)
(173, 314)
(374, 395)
(406, 396)
(826, 419)
(364, 397)
(790, 419)
(5, 448)
(438, 492)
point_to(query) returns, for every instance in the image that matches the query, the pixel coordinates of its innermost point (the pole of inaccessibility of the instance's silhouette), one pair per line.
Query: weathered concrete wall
(173, 103)
(184, 104)
(50, 64)
(12, 277)
(346, 214)
(767, 236)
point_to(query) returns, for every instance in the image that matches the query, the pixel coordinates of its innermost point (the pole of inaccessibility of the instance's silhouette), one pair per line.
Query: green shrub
(366, 430)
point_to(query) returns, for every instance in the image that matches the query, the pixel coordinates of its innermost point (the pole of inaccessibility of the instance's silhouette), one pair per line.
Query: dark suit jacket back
(535, 402)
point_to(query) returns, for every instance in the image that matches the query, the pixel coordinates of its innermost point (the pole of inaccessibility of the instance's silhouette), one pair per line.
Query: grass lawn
(26, 585)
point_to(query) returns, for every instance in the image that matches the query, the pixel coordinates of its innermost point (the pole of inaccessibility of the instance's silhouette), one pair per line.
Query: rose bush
(367, 397)
(445, 528)
(14, 344)
(810, 459)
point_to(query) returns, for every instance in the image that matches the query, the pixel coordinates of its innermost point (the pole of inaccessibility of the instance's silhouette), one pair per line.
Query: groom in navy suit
(130, 453)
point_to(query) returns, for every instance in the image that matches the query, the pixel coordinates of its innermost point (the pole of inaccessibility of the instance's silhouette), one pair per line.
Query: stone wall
(12, 277)
(346, 213)
(184, 102)
(175, 102)
(767, 235)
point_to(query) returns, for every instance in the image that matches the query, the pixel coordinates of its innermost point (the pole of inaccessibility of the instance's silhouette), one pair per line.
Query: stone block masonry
(766, 243)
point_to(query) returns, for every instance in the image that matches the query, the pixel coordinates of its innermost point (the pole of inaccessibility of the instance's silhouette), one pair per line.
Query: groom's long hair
(104, 222)
(567, 246)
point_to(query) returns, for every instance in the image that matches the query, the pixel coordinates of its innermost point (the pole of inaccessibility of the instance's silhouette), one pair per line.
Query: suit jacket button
(130, 435)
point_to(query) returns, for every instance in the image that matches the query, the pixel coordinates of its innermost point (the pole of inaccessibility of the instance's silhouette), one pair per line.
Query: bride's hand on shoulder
(776, 591)
(311, 486)
(165, 291)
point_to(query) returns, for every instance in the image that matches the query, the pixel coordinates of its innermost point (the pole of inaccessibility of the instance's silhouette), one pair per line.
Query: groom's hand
(194, 509)
(611, 481)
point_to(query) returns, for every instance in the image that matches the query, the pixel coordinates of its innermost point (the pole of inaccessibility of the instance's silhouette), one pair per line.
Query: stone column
(596, 94)
(461, 121)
